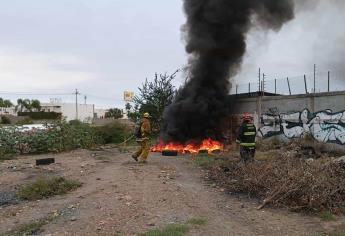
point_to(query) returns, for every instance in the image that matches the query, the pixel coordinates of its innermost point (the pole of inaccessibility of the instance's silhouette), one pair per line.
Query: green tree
(8, 103)
(36, 105)
(5, 103)
(28, 105)
(154, 96)
(132, 112)
(115, 113)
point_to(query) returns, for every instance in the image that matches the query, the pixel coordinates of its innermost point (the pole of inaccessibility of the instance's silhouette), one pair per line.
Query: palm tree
(27, 105)
(7, 103)
(19, 104)
(36, 104)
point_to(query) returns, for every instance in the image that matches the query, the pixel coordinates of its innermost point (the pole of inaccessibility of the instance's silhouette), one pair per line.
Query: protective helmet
(247, 117)
(146, 115)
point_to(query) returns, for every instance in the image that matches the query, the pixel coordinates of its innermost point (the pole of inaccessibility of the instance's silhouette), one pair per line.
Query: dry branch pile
(288, 181)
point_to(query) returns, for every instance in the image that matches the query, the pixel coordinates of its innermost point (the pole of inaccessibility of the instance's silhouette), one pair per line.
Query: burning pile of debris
(206, 146)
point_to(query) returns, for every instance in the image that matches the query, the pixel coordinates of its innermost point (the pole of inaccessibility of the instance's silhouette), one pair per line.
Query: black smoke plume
(215, 33)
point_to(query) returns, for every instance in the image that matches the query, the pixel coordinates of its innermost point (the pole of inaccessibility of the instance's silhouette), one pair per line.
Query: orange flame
(208, 145)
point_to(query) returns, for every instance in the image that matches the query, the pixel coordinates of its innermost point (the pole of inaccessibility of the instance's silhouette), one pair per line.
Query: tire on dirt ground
(171, 153)
(45, 161)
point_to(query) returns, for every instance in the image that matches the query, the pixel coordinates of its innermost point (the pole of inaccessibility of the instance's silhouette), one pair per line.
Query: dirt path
(121, 197)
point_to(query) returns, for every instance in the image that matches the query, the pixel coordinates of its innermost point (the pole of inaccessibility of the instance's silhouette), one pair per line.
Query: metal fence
(327, 81)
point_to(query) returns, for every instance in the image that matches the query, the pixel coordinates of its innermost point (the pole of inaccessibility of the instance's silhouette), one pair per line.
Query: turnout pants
(143, 151)
(247, 154)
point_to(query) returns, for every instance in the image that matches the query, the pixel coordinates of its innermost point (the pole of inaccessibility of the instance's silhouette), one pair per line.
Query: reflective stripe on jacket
(246, 135)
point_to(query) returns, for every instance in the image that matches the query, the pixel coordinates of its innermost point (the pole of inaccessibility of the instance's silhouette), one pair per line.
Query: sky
(102, 48)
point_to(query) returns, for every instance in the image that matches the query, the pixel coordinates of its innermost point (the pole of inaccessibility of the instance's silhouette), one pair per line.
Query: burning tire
(171, 153)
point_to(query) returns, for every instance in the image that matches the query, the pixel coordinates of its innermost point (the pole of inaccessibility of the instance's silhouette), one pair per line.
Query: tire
(171, 153)
(46, 161)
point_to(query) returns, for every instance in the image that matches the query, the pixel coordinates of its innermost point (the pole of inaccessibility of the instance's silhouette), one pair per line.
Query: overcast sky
(104, 47)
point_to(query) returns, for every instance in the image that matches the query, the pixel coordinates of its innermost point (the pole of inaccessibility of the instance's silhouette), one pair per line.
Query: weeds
(45, 187)
(204, 160)
(197, 221)
(169, 230)
(176, 229)
(327, 215)
(32, 228)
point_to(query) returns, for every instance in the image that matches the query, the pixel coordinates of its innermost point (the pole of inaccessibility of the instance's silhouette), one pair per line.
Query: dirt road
(121, 197)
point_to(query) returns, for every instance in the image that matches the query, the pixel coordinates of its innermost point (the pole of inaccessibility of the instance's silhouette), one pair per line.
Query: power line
(35, 94)
(103, 98)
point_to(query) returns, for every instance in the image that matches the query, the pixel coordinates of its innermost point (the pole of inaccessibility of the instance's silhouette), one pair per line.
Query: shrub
(75, 122)
(5, 120)
(25, 121)
(58, 137)
(112, 133)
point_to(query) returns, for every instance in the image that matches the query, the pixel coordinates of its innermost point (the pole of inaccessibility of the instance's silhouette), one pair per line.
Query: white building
(8, 111)
(100, 113)
(69, 111)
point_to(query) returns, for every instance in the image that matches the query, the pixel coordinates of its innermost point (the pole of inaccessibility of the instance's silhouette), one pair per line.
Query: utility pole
(328, 79)
(85, 97)
(76, 103)
(259, 79)
(314, 78)
(263, 83)
(288, 82)
(305, 84)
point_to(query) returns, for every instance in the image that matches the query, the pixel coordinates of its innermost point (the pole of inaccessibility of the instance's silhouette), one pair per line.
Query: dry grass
(286, 181)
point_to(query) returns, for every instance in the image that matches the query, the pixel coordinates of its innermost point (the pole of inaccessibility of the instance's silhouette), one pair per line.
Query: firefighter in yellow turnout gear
(246, 138)
(143, 139)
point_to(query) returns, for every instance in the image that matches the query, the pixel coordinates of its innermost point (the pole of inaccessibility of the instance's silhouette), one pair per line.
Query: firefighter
(246, 138)
(143, 133)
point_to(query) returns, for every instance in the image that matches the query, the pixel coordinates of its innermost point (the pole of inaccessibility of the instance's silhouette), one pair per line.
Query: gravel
(8, 198)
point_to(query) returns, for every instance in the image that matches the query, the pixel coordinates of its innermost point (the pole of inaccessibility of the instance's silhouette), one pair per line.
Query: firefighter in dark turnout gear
(246, 138)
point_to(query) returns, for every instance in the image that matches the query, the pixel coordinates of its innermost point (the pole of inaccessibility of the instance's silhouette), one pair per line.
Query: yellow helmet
(146, 115)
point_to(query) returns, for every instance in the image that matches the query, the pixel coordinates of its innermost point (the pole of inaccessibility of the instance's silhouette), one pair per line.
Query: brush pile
(287, 181)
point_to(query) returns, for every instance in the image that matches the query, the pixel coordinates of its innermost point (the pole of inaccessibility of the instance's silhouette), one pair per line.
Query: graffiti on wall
(324, 126)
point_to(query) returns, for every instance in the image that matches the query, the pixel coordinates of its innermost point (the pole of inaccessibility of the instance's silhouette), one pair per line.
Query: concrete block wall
(320, 115)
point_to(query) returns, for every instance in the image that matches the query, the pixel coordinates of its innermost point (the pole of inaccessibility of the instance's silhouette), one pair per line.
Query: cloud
(33, 70)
